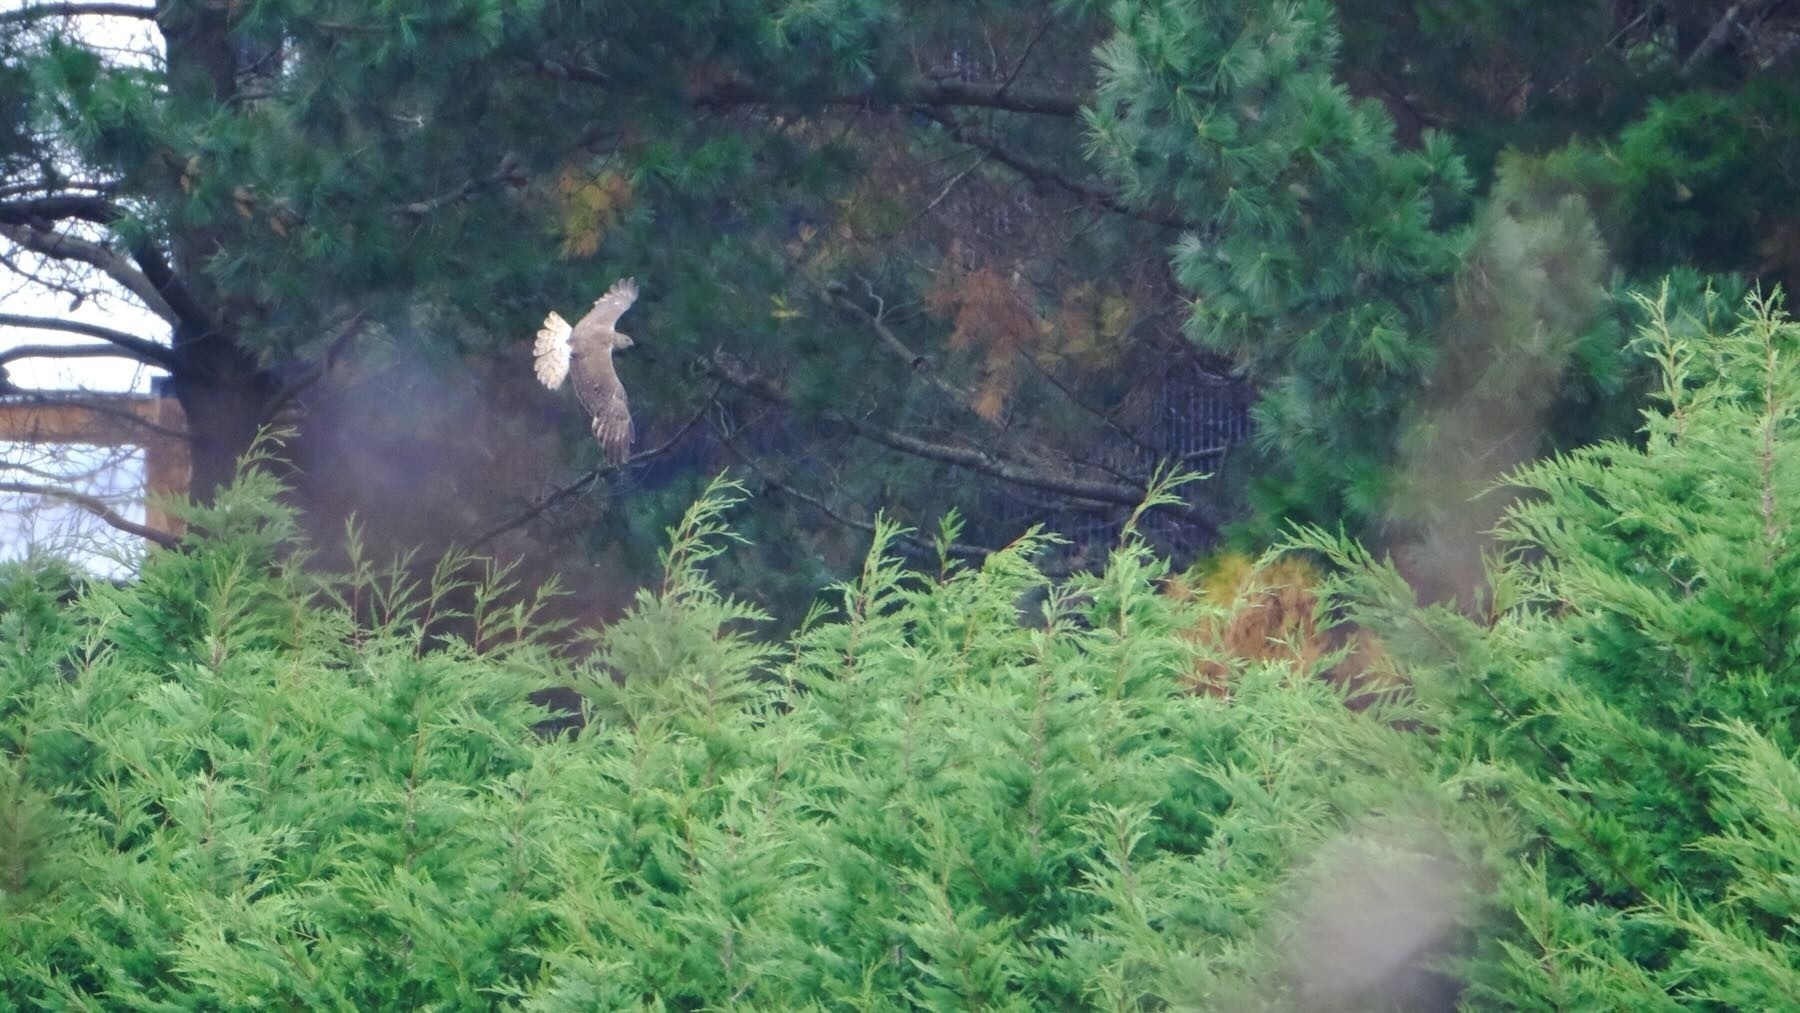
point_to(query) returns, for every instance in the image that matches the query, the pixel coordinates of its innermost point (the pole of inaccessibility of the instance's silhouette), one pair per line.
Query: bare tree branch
(189, 311)
(990, 96)
(49, 184)
(1044, 22)
(39, 12)
(66, 247)
(959, 549)
(509, 173)
(921, 365)
(1520, 93)
(121, 408)
(556, 496)
(17, 352)
(1040, 172)
(64, 477)
(39, 211)
(740, 376)
(1735, 21)
(96, 506)
(1104, 419)
(129, 345)
(41, 274)
(913, 91)
(430, 205)
(153, 280)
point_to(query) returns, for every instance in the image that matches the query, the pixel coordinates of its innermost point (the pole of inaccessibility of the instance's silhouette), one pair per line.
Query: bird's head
(621, 341)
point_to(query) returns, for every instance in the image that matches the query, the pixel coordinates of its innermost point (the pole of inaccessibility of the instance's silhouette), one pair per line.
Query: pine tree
(874, 263)
(1322, 246)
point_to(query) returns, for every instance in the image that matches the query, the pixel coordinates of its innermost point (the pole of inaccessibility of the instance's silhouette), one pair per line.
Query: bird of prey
(586, 350)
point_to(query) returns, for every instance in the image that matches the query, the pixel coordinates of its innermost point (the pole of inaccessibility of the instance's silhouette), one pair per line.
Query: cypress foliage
(1631, 693)
(234, 783)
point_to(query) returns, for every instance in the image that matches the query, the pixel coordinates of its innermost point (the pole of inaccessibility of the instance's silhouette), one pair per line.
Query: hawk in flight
(587, 349)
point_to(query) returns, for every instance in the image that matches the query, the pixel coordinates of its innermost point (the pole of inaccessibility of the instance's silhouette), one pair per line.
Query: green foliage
(1320, 247)
(1685, 167)
(1341, 270)
(1694, 181)
(1369, 207)
(236, 783)
(1396, 338)
(1630, 688)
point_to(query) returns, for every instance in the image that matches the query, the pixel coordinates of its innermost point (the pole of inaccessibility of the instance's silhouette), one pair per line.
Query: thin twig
(153, 280)
(63, 246)
(1732, 21)
(910, 92)
(838, 295)
(980, 157)
(1107, 420)
(98, 404)
(1039, 172)
(1583, 65)
(1042, 30)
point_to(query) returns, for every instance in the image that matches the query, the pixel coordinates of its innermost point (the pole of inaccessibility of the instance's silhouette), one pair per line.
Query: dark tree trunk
(221, 389)
(224, 397)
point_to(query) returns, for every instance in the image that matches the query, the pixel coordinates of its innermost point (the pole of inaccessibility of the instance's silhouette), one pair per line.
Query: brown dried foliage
(993, 319)
(1269, 613)
(588, 204)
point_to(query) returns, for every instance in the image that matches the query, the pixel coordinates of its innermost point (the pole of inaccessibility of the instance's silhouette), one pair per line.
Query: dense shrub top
(236, 783)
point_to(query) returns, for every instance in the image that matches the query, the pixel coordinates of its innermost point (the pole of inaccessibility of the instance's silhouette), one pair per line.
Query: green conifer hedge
(234, 783)
(1631, 692)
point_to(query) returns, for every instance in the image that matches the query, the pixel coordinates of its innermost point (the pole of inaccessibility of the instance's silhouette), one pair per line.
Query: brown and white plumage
(586, 350)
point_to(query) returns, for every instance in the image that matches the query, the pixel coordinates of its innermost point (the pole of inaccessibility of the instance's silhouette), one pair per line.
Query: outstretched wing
(597, 386)
(551, 353)
(604, 317)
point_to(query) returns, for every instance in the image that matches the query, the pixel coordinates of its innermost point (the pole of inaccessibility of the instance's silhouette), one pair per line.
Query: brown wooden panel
(124, 420)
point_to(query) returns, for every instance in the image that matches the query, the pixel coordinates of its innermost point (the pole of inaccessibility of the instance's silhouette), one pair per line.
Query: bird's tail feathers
(551, 352)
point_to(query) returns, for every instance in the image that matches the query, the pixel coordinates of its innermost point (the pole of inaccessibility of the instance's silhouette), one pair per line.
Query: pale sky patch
(32, 285)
